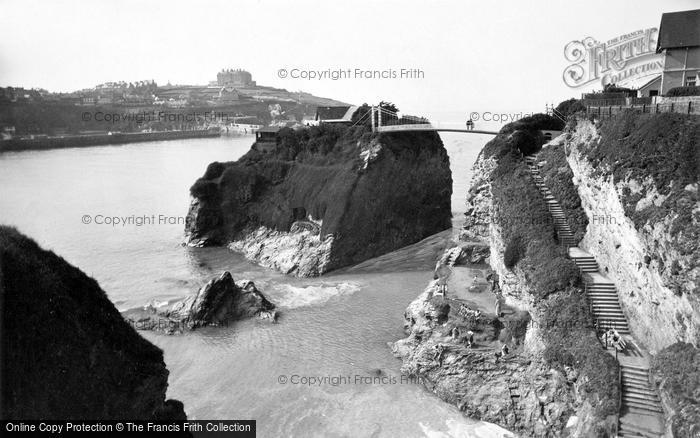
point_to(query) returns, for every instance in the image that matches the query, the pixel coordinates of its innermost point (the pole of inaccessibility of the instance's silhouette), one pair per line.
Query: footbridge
(384, 120)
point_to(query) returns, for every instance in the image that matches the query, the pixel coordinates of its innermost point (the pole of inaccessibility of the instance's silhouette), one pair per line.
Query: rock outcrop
(67, 353)
(324, 197)
(218, 302)
(518, 391)
(556, 378)
(675, 372)
(637, 178)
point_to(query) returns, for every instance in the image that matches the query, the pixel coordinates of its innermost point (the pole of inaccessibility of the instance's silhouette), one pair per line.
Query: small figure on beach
(455, 333)
(498, 307)
(470, 339)
(437, 356)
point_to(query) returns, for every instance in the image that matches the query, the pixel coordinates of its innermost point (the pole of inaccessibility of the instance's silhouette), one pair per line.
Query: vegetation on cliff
(373, 192)
(676, 370)
(654, 161)
(532, 250)
(559, 179)
(67, 353)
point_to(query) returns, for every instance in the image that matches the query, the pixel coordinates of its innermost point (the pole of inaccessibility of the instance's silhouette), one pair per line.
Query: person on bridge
(470, 124)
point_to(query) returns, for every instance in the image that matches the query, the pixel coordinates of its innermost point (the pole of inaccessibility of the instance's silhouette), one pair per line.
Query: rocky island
(218, 302)
(67, 353)
(320, 198)
(628, 190)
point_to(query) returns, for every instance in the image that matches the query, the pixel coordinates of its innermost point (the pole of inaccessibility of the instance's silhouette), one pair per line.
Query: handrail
(619, 394)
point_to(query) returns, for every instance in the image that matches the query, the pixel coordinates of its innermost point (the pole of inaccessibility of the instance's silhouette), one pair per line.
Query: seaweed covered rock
(218, 302)
(67, 353)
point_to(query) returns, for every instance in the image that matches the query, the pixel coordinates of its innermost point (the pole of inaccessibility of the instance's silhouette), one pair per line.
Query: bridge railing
(404, 120)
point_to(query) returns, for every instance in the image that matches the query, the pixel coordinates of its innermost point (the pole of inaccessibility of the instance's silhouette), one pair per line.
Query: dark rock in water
(218, 302)
(67, 353)
(324, 198)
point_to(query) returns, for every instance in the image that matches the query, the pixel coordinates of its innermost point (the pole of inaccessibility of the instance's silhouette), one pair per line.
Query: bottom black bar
(193, 428)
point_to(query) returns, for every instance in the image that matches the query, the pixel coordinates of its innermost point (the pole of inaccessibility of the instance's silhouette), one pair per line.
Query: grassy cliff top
(663, 147)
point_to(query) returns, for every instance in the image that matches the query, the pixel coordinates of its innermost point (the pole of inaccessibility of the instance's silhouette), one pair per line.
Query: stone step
(635, 368)
(642, 392)
(616, 325)
(604, 296)
(601, 307)
(638, 430)
(620, 319)
(628, 393)
(607, 322)
(604, 303)
(652, 404)
(641, 403)
(597, 299)
(600, 284)
(633, 378)
(609, 315)
(635, 375)
(601, 290)
(643, 410)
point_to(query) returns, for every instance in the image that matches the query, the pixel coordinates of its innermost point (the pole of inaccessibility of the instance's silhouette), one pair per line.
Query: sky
(474, 55)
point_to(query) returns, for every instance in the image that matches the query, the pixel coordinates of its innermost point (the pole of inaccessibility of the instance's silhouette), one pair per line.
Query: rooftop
(679, 29)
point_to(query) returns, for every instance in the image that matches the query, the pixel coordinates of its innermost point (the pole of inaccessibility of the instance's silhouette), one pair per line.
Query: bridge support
(374, 126)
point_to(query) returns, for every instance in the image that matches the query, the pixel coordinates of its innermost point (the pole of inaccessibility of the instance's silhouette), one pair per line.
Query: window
(690, 81)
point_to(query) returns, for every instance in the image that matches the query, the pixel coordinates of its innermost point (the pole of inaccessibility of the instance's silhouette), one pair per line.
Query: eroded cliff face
(324, 198)
(655, 262)
(546, 400)
(67, 353)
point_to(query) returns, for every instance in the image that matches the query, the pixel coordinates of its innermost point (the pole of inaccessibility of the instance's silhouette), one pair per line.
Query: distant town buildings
(679, 41)
(234, 78)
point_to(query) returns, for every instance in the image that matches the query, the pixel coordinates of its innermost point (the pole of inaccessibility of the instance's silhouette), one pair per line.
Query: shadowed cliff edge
(67, 353)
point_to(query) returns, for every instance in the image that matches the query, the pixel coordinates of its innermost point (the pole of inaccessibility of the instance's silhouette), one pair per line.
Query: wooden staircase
(641, 413)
